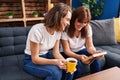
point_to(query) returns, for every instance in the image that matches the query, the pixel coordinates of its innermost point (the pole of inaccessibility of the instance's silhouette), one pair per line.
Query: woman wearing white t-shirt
(42, 56)
(77, 40)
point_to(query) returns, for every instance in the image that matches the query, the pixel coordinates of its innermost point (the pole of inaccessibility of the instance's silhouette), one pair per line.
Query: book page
(91, 58)
(99, 54)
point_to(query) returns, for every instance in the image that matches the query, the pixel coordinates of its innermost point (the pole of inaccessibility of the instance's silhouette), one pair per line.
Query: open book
(91, 58)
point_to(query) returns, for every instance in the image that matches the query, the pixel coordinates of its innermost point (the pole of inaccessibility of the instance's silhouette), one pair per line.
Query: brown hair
(53, 17)
(83, 15)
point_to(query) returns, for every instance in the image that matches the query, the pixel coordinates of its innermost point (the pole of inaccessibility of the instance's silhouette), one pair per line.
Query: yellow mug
(71, 64)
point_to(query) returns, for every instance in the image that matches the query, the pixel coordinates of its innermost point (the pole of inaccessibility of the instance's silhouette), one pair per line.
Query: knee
(79, 67)
(56, 74)
(96, 62)
(79, 64)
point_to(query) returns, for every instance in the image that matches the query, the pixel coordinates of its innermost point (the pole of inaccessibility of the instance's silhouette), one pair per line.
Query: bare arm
(61, 63)
(68, 52)
(35, 47)
(56, 52)
(89, 45)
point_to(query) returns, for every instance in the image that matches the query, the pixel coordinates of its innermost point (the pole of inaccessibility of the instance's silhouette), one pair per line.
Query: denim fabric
(95, 66)
(49, 72)
(68, 76)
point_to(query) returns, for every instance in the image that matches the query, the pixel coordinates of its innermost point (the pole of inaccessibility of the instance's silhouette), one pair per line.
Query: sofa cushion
(103, 32)
(11, 68)
(117, 29)
(12, 40)
(112, 57)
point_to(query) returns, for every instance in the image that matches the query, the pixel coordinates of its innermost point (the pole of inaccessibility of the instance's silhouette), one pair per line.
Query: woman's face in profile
(65, 21)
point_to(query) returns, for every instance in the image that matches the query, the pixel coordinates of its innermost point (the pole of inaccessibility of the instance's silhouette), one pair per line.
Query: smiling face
(79, 21)
(65, 21)
(58, 17)
(79, 25)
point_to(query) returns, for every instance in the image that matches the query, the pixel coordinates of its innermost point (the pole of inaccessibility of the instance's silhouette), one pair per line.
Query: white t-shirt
(39, 34)
(76, 44)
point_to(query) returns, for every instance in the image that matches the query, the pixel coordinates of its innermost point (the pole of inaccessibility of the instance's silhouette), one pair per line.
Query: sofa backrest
(13, 40)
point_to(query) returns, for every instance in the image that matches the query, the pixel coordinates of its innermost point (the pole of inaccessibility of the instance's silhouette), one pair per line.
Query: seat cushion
(112, 57)
(11, 69)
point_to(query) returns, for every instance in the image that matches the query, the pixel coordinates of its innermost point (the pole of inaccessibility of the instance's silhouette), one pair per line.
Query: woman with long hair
(42, 56)
(77, 41)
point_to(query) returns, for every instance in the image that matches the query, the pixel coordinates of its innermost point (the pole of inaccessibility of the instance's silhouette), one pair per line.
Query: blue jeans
(49, 72)
(95, 66)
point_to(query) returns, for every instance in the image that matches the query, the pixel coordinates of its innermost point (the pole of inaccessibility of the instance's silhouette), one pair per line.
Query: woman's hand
(100, 57)
(61, 63)
(84, 59)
